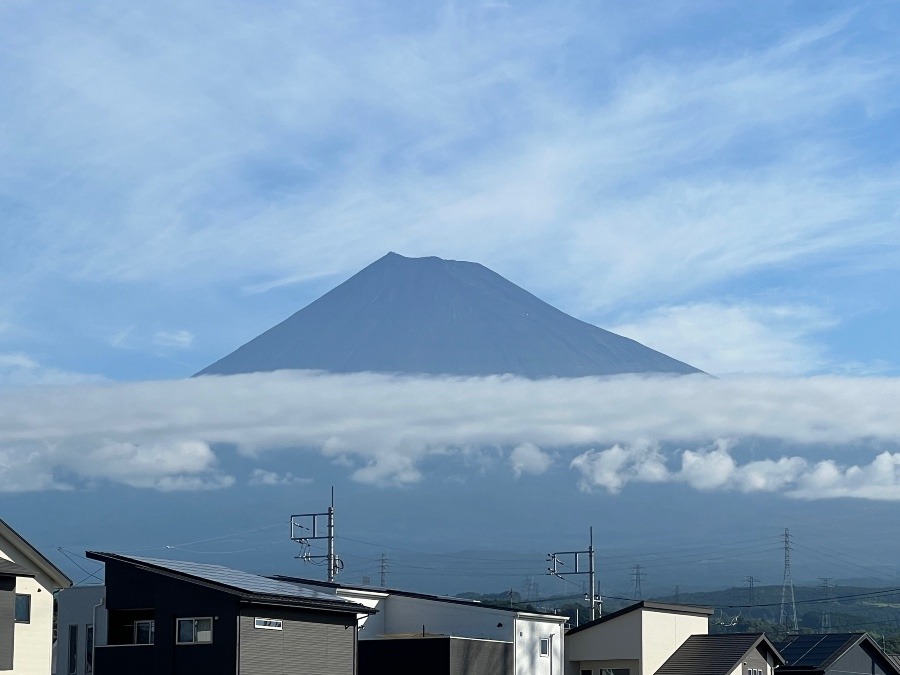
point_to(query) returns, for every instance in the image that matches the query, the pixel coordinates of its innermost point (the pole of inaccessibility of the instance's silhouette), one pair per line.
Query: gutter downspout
(94, 619)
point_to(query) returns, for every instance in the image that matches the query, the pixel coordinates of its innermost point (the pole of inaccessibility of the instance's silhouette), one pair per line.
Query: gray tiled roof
(710, 654)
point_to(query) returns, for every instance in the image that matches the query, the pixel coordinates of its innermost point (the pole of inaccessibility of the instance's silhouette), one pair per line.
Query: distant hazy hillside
(428, 315)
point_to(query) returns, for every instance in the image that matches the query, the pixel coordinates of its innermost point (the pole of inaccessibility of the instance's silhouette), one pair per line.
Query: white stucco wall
(640, 640)
(662, 633)
(618, 639)
(529, 632)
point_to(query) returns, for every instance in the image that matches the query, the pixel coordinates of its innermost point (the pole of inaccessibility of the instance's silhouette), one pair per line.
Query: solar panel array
(814, 650)
(243, 581)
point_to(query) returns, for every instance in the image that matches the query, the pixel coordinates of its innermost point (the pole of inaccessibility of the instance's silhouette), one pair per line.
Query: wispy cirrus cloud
(218, 145)
(739, 338)
(381, 428)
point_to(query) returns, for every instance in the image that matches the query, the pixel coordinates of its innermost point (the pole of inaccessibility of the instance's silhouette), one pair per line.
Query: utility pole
(750, 580)
(383, 566)
(826, 611)
(574, 562)
(637, 573)
(789, 623)
(677, 594)
(305, 533)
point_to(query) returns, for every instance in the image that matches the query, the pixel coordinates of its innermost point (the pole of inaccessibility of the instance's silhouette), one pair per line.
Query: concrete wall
(33, 641)
(75, 607)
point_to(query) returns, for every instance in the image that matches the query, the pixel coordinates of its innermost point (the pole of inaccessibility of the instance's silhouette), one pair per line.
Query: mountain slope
(428, 315)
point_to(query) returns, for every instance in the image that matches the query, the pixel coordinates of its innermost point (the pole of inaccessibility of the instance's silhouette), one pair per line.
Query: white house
(27, 583)
(636, 640)
(536, 639)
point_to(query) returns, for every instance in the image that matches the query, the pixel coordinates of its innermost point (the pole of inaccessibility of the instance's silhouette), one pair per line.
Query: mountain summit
(429, 315)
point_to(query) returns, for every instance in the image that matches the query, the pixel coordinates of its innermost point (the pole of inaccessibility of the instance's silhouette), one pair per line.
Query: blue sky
(717, 180)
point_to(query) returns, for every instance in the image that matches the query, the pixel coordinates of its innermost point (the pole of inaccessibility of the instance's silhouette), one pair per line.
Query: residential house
(167, 616)
(636, 640)
(834, 654)
(412, 622)
(80, 618)
(27, 583)
(723, 654)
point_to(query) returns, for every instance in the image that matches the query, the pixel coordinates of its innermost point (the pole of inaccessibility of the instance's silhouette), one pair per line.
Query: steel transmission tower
(826, 612)
(637, 574)
(751, 580)
(383, 568)
(789, 623)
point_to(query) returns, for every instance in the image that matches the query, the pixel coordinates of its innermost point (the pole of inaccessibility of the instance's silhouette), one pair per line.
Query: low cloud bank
(161, 435)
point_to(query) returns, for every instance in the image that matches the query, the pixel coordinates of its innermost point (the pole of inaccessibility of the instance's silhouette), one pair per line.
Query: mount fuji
(435, 316)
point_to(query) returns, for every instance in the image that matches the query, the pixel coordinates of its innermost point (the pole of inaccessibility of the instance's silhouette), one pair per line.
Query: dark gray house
(167, 616)
(834, 653)
(723, 654)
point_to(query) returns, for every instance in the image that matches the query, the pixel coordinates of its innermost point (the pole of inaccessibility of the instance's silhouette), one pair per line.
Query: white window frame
(194, 620)
(268, 624)
(152, 625)
(544, 647)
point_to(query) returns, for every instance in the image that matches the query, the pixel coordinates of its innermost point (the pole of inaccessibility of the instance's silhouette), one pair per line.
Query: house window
(193, 631)
(89, 649)
(23, 608)
(73, 650)
(545, 646)
(144, 632)
(587, 671)
(268, 624)
(614, 671)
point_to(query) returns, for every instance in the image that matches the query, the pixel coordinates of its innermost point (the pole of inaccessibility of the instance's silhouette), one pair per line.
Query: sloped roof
(643, 604)
(246, 585)
(35, 557)
(714, 654)
(820, 651)
(10, 569)
(421, 596)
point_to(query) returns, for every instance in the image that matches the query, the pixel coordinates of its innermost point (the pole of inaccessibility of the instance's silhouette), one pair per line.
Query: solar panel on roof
(245, 581)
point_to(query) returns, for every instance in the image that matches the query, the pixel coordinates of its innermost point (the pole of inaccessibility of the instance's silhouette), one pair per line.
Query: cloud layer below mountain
(843, 433)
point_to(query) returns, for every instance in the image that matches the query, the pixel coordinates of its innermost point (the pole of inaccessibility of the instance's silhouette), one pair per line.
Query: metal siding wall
(306, 646)
(854, 661)
(7, 624)
(476, 657)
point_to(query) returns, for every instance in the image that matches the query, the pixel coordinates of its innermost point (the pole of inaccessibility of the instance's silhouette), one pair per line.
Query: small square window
(545, 646)
(193, 631)
(23, 608)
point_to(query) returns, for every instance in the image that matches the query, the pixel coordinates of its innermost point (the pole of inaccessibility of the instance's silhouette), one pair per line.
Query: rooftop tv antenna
(307, 527)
